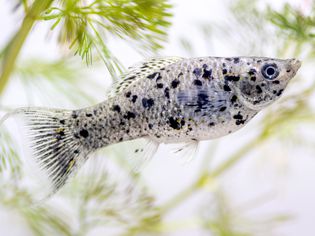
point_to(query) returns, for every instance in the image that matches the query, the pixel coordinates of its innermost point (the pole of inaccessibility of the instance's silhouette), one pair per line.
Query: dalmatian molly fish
(165, 100)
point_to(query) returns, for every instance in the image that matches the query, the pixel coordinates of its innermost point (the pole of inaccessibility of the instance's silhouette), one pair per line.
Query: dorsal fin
(141, 70)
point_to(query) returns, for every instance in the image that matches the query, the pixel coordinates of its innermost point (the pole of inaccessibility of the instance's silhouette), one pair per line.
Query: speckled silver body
(182, 100)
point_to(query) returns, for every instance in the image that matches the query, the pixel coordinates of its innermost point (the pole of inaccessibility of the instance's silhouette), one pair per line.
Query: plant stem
(13, 48)
(206, 178)
(236, 157)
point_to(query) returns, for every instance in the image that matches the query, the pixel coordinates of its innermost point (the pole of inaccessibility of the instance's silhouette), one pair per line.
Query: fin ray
(144, 154)
(141, 70)
(186, 151)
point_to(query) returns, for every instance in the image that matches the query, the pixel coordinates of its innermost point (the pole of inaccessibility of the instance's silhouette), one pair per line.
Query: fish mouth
(294, 64)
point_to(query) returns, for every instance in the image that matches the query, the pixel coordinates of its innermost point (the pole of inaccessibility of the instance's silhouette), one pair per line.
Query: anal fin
(185, 151)
(143, 153)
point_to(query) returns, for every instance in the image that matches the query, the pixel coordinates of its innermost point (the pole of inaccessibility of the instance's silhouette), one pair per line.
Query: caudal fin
(55, 150)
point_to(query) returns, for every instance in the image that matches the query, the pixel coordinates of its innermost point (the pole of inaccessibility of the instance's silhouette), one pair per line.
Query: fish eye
(270, 71)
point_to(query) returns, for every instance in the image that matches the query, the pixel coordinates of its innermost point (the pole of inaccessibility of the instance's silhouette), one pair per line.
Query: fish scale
(165, 100)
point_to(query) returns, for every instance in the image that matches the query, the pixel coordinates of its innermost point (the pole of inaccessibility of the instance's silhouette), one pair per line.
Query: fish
(163, 100)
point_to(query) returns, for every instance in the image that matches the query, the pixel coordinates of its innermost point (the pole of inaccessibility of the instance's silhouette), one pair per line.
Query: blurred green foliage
(100, 200)
(9, 167)
(294, 25)
(61, 76)
(85, 26)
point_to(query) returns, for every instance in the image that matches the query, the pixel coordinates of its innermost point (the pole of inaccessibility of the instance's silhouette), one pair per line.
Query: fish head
(262, 80)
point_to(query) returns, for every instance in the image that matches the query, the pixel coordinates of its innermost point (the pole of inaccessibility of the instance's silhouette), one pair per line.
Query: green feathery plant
(296, 27)
(85, 25)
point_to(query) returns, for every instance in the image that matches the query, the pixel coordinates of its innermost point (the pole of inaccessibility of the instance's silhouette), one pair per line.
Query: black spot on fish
(211, 124)
(189, 127)
(203, 99)
(62, 133)
(236, 60)
(180, 74)
(222, 109)
(176, 124)
(197, 82)
(167, 93)
(88, 115)
(258, 89)
(159, 85)
(197, 72)
(224, 71)
(233, 99)
(128, 94)
(227, 88)
(207, 74)
(159, 77)
(240, 122)
(182, 122)
(253, 78)
(280, 92)
(154, 75)
(76, 152)
(150, 126)
(134, 98)
(175, 83)
(252, 72)
(62, 122)
(74, 115)
(131, 78)
(129, 115)
(276, 82)
(84, 133)
(116, 108)
(232, 78)
(147, 103)
(238, 117)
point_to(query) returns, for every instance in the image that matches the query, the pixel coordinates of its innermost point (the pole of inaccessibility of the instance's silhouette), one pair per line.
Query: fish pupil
(270, 71)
